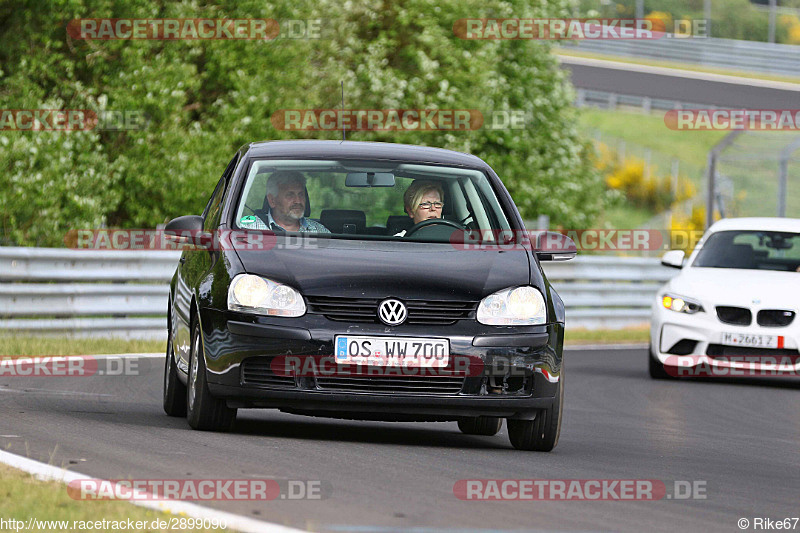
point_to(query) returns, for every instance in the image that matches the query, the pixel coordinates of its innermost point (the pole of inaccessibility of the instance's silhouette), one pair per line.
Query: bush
(639, 185)
(205, 99)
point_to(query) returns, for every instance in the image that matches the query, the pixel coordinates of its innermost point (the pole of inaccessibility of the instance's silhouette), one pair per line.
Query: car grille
(738, 316)
(774, 318)
(366, 310)
(722, 350)
(257, 371)
(437, 385)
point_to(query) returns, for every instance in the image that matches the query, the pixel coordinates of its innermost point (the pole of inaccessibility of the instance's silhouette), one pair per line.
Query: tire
(174, 391)
(204, 412)
(480, 425)
(656, 367)
(540, 434)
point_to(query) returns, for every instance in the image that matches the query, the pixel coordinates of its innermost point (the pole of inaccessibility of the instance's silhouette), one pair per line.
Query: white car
(732, 310)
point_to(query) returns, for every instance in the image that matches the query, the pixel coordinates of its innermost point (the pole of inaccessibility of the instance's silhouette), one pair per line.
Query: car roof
(315, 149)
(757, 223)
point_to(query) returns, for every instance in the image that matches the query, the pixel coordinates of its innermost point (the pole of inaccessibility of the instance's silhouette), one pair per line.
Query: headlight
(517, 306)
(680, 304)
(254, 294)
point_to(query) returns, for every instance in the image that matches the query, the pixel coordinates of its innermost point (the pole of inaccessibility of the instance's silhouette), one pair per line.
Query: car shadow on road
(310, 428)
(773, 383)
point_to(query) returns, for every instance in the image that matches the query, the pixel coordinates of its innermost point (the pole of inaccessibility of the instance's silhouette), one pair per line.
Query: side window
(214, 208)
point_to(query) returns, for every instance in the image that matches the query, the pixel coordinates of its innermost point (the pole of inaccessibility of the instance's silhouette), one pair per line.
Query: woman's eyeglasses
(431, 205)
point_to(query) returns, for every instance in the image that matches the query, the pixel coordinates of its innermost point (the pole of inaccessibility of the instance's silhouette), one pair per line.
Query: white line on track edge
(235, 522)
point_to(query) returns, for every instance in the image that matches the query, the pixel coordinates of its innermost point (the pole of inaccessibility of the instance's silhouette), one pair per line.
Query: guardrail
(86, 293)
(608, 292)
(611, 101)
(124, 294)
(732, 54)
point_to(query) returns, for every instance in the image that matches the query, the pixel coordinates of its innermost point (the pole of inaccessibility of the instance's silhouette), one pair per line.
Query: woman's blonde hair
(413, 195)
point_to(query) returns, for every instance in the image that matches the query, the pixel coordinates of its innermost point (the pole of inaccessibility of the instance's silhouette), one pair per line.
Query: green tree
(204, 99)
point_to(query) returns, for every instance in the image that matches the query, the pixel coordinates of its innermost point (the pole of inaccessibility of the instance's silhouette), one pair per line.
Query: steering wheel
(432, 222)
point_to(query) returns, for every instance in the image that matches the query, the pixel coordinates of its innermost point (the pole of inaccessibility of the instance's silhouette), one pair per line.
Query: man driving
(286, 195)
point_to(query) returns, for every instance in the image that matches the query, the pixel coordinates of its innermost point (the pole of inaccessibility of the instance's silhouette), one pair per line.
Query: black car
(369, 281)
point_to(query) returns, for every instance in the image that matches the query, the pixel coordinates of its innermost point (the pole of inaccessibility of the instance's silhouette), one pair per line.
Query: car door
(191, 268)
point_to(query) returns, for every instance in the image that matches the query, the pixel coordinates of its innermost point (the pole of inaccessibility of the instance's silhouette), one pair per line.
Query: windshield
(754, 250)
(368, 200)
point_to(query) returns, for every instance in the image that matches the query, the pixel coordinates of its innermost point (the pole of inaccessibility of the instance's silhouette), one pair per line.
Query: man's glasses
(431, 205)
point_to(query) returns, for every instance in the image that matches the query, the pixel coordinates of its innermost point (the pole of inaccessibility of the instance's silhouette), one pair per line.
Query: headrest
(335, 219)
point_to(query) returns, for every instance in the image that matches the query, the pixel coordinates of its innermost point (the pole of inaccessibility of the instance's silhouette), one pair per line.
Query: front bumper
(519, 370)
(678, 339)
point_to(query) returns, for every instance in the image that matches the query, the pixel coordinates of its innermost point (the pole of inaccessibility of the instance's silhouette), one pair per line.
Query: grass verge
(578, 336)
(42, 346)
(625, 216)
(23, 497)
(26, 345)
(649, 131)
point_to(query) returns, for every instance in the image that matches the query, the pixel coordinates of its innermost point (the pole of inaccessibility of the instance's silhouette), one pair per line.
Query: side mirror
(188, 229)
(673, 259)
(553, 246)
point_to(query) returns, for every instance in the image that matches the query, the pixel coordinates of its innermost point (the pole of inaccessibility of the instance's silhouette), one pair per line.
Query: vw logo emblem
(392, 312)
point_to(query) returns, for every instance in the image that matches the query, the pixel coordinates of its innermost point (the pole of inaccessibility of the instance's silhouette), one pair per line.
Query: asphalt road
(739, 438)
(682, 86)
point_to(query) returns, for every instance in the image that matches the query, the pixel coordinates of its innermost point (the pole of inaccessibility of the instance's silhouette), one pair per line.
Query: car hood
(378, 269)
(745, 288)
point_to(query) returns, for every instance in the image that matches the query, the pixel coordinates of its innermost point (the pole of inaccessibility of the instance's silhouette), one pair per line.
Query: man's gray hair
(284, 177)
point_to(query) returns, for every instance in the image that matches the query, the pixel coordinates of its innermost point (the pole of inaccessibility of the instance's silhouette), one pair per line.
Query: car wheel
(656, 367)
(204, 412)
(480, 425)
(540, 434)
(174, 390)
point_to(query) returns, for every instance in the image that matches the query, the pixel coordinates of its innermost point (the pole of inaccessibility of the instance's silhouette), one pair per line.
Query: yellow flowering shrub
(643, 189)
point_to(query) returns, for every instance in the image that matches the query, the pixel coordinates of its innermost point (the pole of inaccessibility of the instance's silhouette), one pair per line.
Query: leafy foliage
(204, 99)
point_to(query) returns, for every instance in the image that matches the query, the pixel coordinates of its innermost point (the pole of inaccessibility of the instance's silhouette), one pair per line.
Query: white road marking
(29, 390)
(234, 522)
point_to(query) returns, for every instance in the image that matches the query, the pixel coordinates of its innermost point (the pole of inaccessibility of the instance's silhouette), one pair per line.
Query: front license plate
(392, 351)
(752, 341)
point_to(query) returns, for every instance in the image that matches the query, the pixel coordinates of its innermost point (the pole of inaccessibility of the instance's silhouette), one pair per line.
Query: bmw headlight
(516, 306)
(254, 294)
(680, 304)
